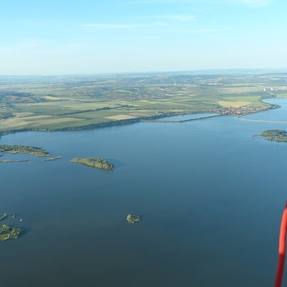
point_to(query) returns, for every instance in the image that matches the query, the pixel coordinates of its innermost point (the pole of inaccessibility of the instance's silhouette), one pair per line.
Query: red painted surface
(282, 249)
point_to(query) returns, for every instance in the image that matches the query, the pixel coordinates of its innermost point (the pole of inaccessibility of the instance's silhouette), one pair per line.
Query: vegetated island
(132, 218)
(8, 232)
(23, 149)
(275, 135)
(93, 162)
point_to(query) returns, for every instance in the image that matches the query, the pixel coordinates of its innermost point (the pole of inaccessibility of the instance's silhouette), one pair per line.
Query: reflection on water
(210, 195)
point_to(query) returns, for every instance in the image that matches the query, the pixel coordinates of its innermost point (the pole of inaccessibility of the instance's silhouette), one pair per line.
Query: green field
(60, 103)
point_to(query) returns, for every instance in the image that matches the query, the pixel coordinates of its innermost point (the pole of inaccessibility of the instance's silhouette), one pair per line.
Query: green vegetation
(94, 163)
(84, 102)
(8, 232)
(15, 149)
(275, 135)
(21, 149)
(132, 219)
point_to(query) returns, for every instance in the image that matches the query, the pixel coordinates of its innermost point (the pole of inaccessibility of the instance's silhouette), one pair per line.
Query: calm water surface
(210, 194)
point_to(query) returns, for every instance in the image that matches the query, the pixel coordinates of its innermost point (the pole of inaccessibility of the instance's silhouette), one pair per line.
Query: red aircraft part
(282, 249)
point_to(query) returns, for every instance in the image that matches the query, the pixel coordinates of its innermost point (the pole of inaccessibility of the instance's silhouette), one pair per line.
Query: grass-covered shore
(75, 103)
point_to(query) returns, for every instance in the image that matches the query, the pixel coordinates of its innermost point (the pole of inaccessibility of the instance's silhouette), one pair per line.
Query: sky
(50, 37)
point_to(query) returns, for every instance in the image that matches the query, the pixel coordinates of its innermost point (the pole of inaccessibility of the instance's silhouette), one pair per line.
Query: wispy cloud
(150, 22)
(121, 26)
(184, 18)
(253, 3)
(256, 3)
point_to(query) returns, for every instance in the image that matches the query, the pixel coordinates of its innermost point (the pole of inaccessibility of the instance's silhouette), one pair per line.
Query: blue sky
(107, 36)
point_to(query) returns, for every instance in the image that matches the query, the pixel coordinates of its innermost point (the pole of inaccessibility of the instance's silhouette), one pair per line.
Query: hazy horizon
(214, 72)
(141, 36)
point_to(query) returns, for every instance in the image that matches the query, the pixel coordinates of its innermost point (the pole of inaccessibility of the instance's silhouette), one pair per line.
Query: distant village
(245, 110)
(241, 111)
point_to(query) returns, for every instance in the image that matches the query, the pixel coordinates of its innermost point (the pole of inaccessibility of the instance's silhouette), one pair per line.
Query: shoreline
(149, 119)
(108, 124)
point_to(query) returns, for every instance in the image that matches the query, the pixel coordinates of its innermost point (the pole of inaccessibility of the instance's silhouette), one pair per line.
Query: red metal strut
(282, 249)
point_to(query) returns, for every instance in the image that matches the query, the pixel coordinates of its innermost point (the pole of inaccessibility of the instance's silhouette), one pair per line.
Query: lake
(210, 194)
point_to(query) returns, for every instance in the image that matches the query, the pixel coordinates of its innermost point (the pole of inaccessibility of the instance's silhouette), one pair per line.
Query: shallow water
(210, 193)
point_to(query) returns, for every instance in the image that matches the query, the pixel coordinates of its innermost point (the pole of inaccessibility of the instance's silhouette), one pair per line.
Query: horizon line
(203, 70)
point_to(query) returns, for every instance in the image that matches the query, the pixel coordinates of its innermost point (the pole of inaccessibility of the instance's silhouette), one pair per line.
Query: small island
(279, 136)
(132, 218)
(9, 232)
(22, 149)
(94, 163)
